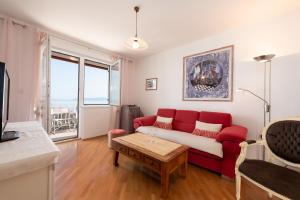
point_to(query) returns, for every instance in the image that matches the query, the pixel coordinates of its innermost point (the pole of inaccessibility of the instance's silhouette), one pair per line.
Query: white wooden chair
(282, 142)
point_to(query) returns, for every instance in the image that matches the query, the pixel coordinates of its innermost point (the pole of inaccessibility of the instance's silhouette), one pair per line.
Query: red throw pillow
(163, 125)
(209, 134)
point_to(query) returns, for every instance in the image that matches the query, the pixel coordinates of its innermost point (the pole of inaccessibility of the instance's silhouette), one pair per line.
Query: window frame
(64, 57)
(103, 66)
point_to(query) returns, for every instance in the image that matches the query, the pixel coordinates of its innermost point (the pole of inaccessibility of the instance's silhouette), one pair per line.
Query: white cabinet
(27, 164)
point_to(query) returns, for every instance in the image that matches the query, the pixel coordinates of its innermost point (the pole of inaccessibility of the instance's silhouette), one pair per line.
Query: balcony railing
(63, 120)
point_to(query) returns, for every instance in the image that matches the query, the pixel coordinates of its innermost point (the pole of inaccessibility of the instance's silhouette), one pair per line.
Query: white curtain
(3, 30)
(42, 107)
(127, 81)
(127, 67)
(20, 51)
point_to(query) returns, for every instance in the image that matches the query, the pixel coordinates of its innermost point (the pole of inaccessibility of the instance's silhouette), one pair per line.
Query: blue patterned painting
(208, 75)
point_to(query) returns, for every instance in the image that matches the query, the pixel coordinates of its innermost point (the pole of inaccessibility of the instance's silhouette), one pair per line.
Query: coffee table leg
(164, 182)
(116, 157)
(183, 167)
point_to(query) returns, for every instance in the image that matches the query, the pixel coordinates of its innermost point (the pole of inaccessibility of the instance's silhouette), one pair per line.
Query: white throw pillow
(164, 119)
(208, 126)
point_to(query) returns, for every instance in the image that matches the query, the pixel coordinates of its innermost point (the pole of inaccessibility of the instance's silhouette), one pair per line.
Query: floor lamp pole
(265, 87)
(270, 81)
(267, 108)
(266, 59)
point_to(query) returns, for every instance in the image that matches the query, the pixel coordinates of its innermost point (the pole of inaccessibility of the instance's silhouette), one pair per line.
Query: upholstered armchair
(281, 140)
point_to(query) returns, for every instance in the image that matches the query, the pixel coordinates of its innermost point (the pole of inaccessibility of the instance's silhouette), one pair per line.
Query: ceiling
(162, 23)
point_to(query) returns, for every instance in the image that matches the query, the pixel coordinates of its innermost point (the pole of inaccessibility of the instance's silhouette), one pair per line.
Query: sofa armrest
(233, 133)
(144, 121)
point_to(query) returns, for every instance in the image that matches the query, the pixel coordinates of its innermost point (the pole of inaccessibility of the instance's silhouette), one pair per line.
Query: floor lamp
(267, 60)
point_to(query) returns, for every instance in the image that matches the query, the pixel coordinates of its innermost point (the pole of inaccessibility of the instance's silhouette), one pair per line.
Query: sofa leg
(238, 186)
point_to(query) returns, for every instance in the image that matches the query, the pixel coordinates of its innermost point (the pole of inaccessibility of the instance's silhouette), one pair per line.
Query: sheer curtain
(2, 39)
(20, 52)
(127, 66)
(127, 69)
(42, 92)
(127, 81)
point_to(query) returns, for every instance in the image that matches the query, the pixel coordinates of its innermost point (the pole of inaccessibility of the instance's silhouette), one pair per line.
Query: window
(64, 82)
(96, 83)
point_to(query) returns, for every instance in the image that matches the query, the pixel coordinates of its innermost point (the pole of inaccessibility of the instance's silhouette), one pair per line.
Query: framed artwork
(151, 84)
(207, 76)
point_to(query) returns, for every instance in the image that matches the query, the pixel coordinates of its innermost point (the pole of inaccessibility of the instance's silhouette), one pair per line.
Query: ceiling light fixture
(135, 42)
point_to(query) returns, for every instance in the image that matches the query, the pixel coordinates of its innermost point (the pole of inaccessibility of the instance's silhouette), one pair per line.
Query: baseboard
(67, 140)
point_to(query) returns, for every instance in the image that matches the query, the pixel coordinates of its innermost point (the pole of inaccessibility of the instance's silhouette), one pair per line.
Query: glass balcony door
(64, 93)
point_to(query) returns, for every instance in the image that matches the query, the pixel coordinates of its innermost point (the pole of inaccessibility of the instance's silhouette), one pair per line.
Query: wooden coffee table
(165, 157)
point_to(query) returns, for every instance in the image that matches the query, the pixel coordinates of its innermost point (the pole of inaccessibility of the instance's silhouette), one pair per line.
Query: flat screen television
(4, 105)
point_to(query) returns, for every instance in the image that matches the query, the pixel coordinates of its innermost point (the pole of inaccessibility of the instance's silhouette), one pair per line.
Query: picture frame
(207, 76)
(151, 84)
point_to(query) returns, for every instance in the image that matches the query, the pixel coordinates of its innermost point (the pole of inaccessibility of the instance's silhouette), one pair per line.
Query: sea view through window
(64, 85)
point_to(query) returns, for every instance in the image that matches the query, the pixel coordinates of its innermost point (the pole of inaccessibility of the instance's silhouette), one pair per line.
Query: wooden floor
(85, 171)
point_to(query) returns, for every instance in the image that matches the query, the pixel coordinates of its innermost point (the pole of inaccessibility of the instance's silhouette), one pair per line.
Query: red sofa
(230, 137)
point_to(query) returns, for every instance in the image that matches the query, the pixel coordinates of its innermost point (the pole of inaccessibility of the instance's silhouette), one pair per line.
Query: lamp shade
(264, 58)
(136, 43)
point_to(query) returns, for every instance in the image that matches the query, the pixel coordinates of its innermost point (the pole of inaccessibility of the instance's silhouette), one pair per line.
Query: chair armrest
(233, 133)
(250, 142)
(244, 147)
(144, 121)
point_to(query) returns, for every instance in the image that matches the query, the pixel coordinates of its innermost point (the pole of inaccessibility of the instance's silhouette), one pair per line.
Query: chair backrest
(282, 139)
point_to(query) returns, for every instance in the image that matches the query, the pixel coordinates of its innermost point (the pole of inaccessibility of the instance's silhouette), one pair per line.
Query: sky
(64, 81)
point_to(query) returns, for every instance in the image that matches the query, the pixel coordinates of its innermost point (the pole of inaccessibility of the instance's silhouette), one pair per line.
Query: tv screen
(4, 104)
(4, 97)
(5, 100)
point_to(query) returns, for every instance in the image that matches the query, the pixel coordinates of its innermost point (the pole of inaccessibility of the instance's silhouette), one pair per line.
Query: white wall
(96, 120)
(280, 36)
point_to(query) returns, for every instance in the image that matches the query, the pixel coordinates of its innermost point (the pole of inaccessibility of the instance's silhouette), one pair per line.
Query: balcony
(64, 123)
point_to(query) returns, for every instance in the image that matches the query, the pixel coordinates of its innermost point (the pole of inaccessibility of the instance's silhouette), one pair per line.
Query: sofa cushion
(216, 118)
(185, 120)
(204, 144)
(166, 112)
